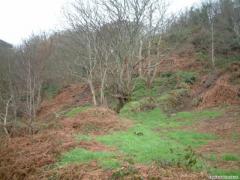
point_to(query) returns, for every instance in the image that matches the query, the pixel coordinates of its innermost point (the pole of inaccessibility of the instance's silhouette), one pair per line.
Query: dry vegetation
(126, 92)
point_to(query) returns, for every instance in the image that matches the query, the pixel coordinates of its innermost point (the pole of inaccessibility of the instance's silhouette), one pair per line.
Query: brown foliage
(75, 94)
(96, 121)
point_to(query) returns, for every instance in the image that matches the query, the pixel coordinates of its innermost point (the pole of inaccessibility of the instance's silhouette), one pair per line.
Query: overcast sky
(20, 18)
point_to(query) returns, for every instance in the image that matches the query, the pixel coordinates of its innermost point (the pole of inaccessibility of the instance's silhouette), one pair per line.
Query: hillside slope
(185, 127)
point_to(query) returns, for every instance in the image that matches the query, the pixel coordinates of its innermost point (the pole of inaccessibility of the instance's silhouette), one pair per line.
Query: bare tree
(236, 17)
(106, 42)
(82, 42)
(154, 33)
(4, 116)
(29, 72)
(211, 20)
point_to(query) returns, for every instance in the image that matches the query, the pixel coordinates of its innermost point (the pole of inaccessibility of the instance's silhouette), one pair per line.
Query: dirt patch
(75, 94)
(96, 121)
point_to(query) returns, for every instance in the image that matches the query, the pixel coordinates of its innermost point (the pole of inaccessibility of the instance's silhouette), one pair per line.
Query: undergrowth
(166, 82)
(75, 111)
(154, 138)
(147, 142)
(50, 90)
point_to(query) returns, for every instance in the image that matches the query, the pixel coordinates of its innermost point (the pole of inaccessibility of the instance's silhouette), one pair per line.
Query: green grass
(78, 155)
(167, 82)
(75, 111)
(210, 157)
(192, 139)
(167, 92)
(153, 138)
(143, 148)
(145, 144)
(147, 141)
(141, 91)
(223, 172)
(156, 118)
(230, 157)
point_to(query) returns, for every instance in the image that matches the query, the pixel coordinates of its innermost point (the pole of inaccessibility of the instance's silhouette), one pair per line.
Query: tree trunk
(149, 48)
(140, 59)
(102, 96)
(213, 56)
(5, 116)
(93, 92)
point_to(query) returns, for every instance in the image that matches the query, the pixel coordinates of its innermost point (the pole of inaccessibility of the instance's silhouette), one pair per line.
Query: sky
(21, 18)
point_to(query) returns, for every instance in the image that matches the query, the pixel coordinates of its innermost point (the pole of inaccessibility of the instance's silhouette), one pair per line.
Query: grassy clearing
(154, 137)
(157, 119)
(146, 142)
(142, 144)
(78, 155)
(192, 139)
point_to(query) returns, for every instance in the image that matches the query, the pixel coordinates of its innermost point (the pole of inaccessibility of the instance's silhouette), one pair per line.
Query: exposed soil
(76, 94)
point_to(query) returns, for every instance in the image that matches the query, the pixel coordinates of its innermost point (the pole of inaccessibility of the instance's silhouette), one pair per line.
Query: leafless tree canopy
(108, 45)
